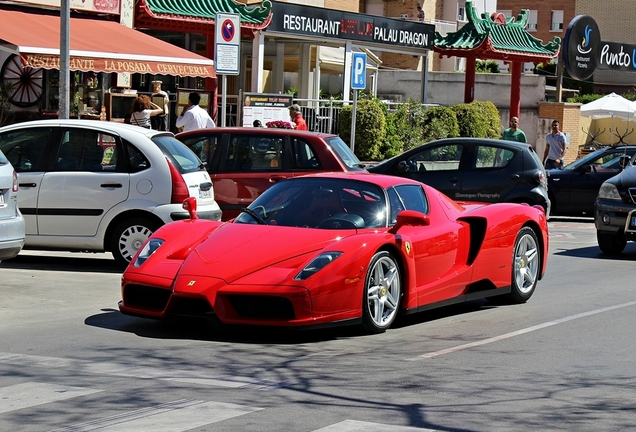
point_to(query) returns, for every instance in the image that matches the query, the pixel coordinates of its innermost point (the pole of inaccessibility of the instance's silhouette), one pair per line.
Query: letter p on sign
(359, 71)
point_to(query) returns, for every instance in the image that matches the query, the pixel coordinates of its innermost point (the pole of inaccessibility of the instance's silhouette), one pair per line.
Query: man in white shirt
(193, 116)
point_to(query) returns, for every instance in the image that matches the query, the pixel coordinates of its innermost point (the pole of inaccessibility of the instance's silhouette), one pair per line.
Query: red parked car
(338, 248)
(243, 162)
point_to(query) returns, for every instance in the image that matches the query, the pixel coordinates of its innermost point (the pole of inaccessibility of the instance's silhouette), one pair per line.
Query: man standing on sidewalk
(513, 133)
(555, 149)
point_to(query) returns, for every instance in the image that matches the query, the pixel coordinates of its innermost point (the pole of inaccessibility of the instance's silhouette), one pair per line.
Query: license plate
(1, 198)
(205, 194)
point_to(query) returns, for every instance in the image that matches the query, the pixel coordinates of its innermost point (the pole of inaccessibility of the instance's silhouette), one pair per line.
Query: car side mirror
(190, 204)
(624, 161)
(410, 218)
(586, 168)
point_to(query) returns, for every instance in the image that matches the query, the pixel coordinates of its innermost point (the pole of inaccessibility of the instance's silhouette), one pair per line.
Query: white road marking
(358, 426)
(143, 372)
(174, 416)
(31, 394)
(520, 332)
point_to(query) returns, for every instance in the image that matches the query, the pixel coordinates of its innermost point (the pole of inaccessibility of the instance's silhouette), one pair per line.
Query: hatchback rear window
(344, 153)
(178, 154)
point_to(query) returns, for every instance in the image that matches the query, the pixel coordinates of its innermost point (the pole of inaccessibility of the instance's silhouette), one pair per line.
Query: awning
(98, 46)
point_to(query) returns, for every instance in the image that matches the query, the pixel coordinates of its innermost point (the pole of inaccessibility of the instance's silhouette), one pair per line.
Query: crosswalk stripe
(359, 426)
(176, 416)
(143, 372)
(30, 394)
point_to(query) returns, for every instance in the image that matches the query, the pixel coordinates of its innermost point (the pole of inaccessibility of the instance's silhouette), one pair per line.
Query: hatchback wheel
(129, 236)
(611, 243)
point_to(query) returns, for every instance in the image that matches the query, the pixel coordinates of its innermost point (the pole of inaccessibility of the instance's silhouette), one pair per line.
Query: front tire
(128, 237)
(611, 243)
(526, 262)
(382, 293)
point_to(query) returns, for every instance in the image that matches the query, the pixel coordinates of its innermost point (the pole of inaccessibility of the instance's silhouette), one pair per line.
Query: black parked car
(615, 210)
(475, 169)
(574, 189)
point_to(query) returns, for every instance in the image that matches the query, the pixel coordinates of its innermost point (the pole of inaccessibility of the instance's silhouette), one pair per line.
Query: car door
(248, 165)
(437, 166)
(435, 247)
(88, 178)
(28, 150)
(492, 172)
(585, 182)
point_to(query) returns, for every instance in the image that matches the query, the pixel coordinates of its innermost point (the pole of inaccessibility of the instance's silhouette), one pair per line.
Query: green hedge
(381, 135)
(370, 128)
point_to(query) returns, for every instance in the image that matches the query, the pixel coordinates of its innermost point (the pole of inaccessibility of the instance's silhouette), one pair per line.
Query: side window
(413, 198)
(203, 146)
(608, 163)
(239, 155)
(396, 206)
(137, 160)
(304, 155)
(86, 150)
(440, 158)
(268, 153)
(25, 148)
(493, 157)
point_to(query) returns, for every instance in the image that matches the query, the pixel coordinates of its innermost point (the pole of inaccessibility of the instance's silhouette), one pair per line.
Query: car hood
(626, 179)
(237, 250)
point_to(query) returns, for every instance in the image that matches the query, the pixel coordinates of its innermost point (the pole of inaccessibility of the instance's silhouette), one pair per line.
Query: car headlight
(609, 191)
(317, 264)
(149, 248)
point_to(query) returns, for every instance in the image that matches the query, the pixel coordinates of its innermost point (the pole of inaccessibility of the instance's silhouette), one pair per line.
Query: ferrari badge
(407, 247)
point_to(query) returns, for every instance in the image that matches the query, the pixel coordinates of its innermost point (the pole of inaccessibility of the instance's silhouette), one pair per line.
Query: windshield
(319, 203)
(178, 154)
(599, 158)
(344, 153)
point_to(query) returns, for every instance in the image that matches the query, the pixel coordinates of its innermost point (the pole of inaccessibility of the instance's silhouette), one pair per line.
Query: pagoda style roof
(198, 16)
(496, 37)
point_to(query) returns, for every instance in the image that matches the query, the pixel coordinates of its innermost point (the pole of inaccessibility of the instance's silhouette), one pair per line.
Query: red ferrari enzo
(338, 248)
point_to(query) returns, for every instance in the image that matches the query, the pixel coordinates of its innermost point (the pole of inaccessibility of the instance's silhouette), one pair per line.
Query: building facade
(549, 18)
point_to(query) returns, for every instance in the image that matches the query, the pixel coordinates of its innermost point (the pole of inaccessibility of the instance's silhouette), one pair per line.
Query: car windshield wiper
(255, 215)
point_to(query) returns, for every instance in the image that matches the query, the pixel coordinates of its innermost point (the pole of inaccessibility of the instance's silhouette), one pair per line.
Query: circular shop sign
(581, 47)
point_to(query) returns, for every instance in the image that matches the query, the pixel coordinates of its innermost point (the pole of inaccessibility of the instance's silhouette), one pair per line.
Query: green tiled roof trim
(207, 9)
(510, 37)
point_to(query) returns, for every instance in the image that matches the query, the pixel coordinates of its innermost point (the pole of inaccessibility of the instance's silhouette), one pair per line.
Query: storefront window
(87, 91)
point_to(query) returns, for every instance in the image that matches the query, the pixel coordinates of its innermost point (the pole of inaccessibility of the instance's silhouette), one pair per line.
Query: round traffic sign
(228, 30)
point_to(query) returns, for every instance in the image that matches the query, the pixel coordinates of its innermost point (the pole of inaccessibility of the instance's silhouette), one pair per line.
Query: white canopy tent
(611, 105)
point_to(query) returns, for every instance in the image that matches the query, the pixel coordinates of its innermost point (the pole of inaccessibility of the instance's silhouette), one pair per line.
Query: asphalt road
(69, 361)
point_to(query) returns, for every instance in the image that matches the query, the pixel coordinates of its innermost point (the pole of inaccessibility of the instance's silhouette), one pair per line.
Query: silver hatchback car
(97, 186)
(11, 220)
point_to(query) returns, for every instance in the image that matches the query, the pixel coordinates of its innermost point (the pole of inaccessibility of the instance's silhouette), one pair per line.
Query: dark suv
(475, 169)
(615, 210)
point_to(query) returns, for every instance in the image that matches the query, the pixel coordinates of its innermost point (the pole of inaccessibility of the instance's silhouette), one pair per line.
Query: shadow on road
(63, 263)
(629, 254)
(210, 329)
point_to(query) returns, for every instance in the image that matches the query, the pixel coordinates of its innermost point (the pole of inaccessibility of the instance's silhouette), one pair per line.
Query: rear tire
(128, 237)
(526, 264)
(382, 293)
(611, 243)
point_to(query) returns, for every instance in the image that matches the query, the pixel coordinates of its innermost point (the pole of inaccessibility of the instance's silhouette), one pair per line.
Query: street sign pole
(227, 52)
(358, 82)
(353, 120)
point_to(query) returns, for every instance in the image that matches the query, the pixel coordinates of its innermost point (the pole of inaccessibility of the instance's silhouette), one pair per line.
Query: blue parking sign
(359, 71)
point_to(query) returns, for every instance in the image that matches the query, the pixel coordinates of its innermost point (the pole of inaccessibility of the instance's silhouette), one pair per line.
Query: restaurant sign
(584, 52)
(323, 23)
(87, 64)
